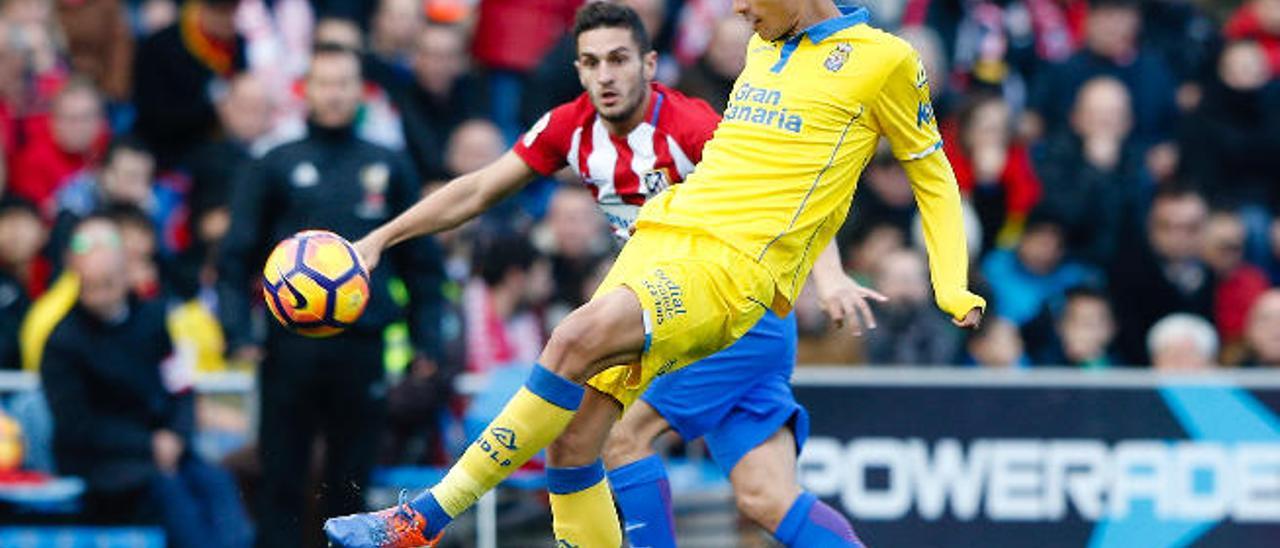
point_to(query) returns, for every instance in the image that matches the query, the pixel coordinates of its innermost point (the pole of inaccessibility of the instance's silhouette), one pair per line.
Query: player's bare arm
(459, 201)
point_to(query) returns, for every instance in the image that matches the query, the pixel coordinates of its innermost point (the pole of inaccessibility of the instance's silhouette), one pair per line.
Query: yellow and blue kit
(741, 234)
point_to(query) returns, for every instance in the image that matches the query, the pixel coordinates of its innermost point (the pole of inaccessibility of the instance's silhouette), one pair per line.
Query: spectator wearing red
(510, 39)
(1258, 20)
(1239, 283)
(993, 169)
(72, 139)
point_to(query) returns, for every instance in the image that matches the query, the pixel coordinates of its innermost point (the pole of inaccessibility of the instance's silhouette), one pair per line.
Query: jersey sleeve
(906, 120)
(545, 147)
(905, 113)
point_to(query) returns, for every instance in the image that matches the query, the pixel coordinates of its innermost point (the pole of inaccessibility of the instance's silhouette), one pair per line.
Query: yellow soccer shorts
(699, 295)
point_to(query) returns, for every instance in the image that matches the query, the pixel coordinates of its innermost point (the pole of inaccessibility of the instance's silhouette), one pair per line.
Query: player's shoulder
(682, 106)
(573, 112)
(879, 44)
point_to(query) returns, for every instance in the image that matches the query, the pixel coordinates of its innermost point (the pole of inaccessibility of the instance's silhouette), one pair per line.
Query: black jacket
(329, 180)
(172, 92)
(1142, 294)
(13, 308)
(104, 388)
(428, 121)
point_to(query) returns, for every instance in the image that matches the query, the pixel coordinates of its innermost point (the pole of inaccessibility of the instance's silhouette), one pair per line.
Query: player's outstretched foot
(397, 527)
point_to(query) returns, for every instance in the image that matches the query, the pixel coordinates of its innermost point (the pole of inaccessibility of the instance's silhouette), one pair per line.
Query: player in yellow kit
(709, 256)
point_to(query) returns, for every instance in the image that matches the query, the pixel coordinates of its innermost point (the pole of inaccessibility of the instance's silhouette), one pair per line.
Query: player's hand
(166, 449)
(370, 250)
(971, 320)
(845, 302)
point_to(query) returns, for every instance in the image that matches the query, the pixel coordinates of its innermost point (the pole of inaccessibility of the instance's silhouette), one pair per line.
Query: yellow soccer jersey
(803, 120)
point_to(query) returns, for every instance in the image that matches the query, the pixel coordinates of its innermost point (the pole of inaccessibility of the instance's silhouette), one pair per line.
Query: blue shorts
(738, 397)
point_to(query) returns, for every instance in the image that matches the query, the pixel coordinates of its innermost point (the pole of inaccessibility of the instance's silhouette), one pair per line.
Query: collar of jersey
(849, 16)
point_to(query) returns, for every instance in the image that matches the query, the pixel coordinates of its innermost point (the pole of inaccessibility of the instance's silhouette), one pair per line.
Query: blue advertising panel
(960, 458)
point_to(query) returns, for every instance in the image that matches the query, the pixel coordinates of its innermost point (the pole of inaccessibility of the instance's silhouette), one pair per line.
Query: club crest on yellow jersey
(836, 59)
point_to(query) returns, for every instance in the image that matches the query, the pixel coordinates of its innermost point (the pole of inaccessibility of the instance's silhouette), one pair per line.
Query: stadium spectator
(395, 30)
(1229, 141)
(1164, 274)
(1263, 331)
(992, 168)
(510, 39)
(574, 236)
(1033, 276)
(474, 144)
(141, 250)
(1259, 21)
(74, 138)
(711, 78)
(177, 73)
(123, 409)
(996, 344)
(245, 114)
(864, 251)
(1111, 48)
(1182, 342)
(442, 96)
(24, 235)
(99, 43)
(155, 15)
(127, 177)
(1086, 330)
(1238, 283)
(334, 386)
(1090, 173)
(910, 331)
(510, 279)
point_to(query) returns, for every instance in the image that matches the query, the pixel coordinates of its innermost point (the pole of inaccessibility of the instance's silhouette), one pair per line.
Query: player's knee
(760, 503)
(569, 350)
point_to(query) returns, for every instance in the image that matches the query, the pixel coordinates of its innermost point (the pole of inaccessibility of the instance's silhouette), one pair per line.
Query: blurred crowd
(1120, 163)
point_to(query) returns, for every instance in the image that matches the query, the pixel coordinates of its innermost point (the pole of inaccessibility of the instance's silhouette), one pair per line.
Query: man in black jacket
(329, 179)
(123, 410)
(1163, 273)
(179, 72)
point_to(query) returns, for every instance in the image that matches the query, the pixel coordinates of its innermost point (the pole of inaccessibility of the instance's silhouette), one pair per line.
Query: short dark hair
(610, 14)
(127, 142)
(1177, 190)
(499, 253)
(324, 49)
(1086, 291)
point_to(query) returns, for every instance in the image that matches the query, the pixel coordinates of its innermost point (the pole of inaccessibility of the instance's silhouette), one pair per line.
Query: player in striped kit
(629, 138)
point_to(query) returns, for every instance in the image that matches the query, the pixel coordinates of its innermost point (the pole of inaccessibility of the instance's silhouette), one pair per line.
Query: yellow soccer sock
(531, 420)
(582, 507)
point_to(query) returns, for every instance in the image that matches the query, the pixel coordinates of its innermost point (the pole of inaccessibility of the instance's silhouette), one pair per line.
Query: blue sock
(812, 524)
(437, 518)
(644, 494)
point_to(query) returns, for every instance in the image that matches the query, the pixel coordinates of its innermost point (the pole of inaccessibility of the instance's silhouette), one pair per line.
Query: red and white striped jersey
(622, 171)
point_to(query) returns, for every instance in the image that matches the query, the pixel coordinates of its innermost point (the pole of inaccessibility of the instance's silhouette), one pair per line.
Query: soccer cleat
(397, 527)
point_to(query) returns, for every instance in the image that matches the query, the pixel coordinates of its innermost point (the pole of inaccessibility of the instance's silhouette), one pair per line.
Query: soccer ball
(314, 283)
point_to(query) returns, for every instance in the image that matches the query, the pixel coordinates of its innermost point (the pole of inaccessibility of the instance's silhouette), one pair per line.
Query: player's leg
(767, 491)
(581, 504)
(639, 478)
(607, 330)
(695, 401)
